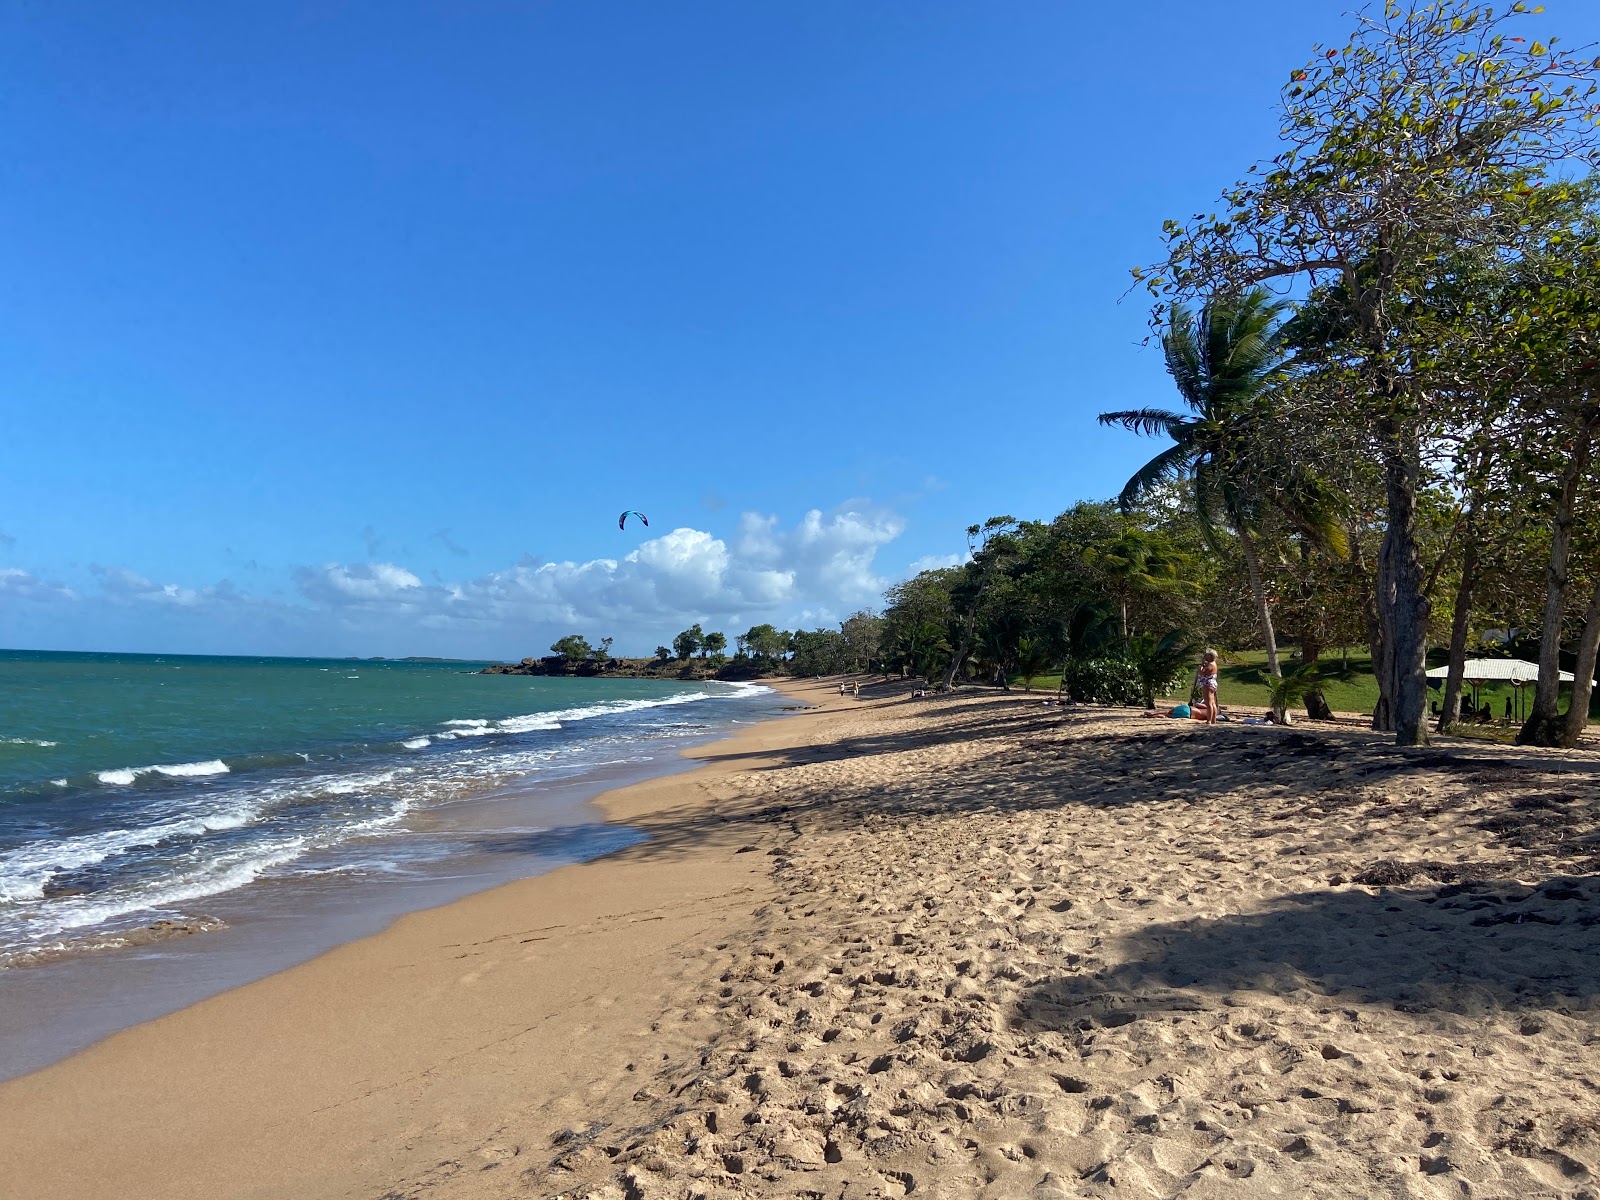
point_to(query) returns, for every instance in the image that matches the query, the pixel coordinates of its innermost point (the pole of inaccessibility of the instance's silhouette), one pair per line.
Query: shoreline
(361, 1028)
(105, 979)
(970, 946)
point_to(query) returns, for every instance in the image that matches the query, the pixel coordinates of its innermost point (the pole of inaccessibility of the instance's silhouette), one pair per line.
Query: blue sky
(350, 328)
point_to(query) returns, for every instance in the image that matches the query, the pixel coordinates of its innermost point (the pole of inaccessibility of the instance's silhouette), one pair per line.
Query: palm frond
(1172, 463)
(1182, 348)
(1148, 422)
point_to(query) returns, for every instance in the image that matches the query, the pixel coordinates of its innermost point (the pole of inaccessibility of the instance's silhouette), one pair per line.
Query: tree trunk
(962, 650)
(1402, 604)
(1461, 623)
(1258, 587)
(1577, 719)
(1317, 707)
(1544, 726)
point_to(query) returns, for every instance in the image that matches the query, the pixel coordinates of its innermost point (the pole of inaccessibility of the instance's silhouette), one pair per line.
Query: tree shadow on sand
(1105, 763)
(1468, 949)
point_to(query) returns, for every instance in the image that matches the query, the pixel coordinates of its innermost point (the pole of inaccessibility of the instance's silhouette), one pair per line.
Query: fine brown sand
(967, 946)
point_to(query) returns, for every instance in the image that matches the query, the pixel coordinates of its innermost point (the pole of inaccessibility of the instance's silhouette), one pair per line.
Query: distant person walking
(1207, 681)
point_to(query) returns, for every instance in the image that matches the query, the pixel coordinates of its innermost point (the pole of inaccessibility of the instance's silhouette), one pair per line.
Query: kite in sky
(622, 521)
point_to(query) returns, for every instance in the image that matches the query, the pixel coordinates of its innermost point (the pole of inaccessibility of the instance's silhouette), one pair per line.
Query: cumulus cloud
(816, 570)
(18, 584)
(361, 583)
(822, 565)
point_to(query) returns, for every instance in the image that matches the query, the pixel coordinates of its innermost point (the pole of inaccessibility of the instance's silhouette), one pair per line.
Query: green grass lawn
(1348, 685)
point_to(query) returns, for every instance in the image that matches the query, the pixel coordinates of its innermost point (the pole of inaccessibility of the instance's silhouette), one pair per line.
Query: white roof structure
(1497, 670)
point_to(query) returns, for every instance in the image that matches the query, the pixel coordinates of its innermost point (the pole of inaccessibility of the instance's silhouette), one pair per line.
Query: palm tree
(1136, 562)
(1228, 365)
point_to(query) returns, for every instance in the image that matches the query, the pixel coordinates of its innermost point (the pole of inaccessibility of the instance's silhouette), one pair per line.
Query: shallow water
(300, 803)
(130, 784)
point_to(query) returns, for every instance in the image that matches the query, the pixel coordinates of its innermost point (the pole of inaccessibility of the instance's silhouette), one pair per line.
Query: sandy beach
(970, 946)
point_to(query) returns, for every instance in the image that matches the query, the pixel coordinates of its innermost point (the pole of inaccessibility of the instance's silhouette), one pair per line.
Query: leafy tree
(1423, 133)
(714, 644)
(1230, 366)
(573, 648)
(914, 638)
(766, 642)
(1558, 335)
(688, 642)
(1136, 562)
(818, 652)
(991, 546)
(862, 632)
(602, 653)
(663, 653)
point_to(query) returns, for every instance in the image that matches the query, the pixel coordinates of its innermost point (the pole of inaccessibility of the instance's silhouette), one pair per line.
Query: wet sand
(956, 947)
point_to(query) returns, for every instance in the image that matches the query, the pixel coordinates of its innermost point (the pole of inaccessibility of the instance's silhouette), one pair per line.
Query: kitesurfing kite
(622, 521)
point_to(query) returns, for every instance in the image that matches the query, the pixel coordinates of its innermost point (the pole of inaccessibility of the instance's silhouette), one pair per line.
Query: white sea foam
(348, 784)
(416, 743)
(26, 870)
(220, 874)
(474, 723)
(20, 741)
(527, 724)
(124, 776)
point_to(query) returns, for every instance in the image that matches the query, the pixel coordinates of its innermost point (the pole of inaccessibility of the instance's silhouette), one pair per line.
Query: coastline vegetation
(1385, 345)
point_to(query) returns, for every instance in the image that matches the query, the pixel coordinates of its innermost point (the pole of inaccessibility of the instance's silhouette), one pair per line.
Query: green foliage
(1422, 141)
(688, 643)
(1159, 663)
(714, 644)
(818, 652)
(1291, 689)
(573, 648)
(1105, 681)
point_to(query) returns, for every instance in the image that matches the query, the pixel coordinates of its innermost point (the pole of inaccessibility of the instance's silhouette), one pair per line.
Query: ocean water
(137, 788)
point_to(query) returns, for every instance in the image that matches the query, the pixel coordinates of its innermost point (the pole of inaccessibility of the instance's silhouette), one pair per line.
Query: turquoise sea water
(133, 785)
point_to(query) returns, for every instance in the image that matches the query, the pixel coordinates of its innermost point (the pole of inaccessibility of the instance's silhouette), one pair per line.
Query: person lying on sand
(1184, 712)
(1178, 712)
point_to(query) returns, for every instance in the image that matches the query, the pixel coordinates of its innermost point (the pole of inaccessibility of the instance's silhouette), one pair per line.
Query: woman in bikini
(1206, 710)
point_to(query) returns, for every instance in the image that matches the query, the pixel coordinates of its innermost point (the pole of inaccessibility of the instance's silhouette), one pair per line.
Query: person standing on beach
(1207, 709)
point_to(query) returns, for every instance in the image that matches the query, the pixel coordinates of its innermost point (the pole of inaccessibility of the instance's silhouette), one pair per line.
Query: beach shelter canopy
(1497, 670)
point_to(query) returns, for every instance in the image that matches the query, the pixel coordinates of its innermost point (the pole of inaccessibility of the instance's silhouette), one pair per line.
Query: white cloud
(934, 562)
(361, 583)
(123, 586)
(817, 570)
(19, 584)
